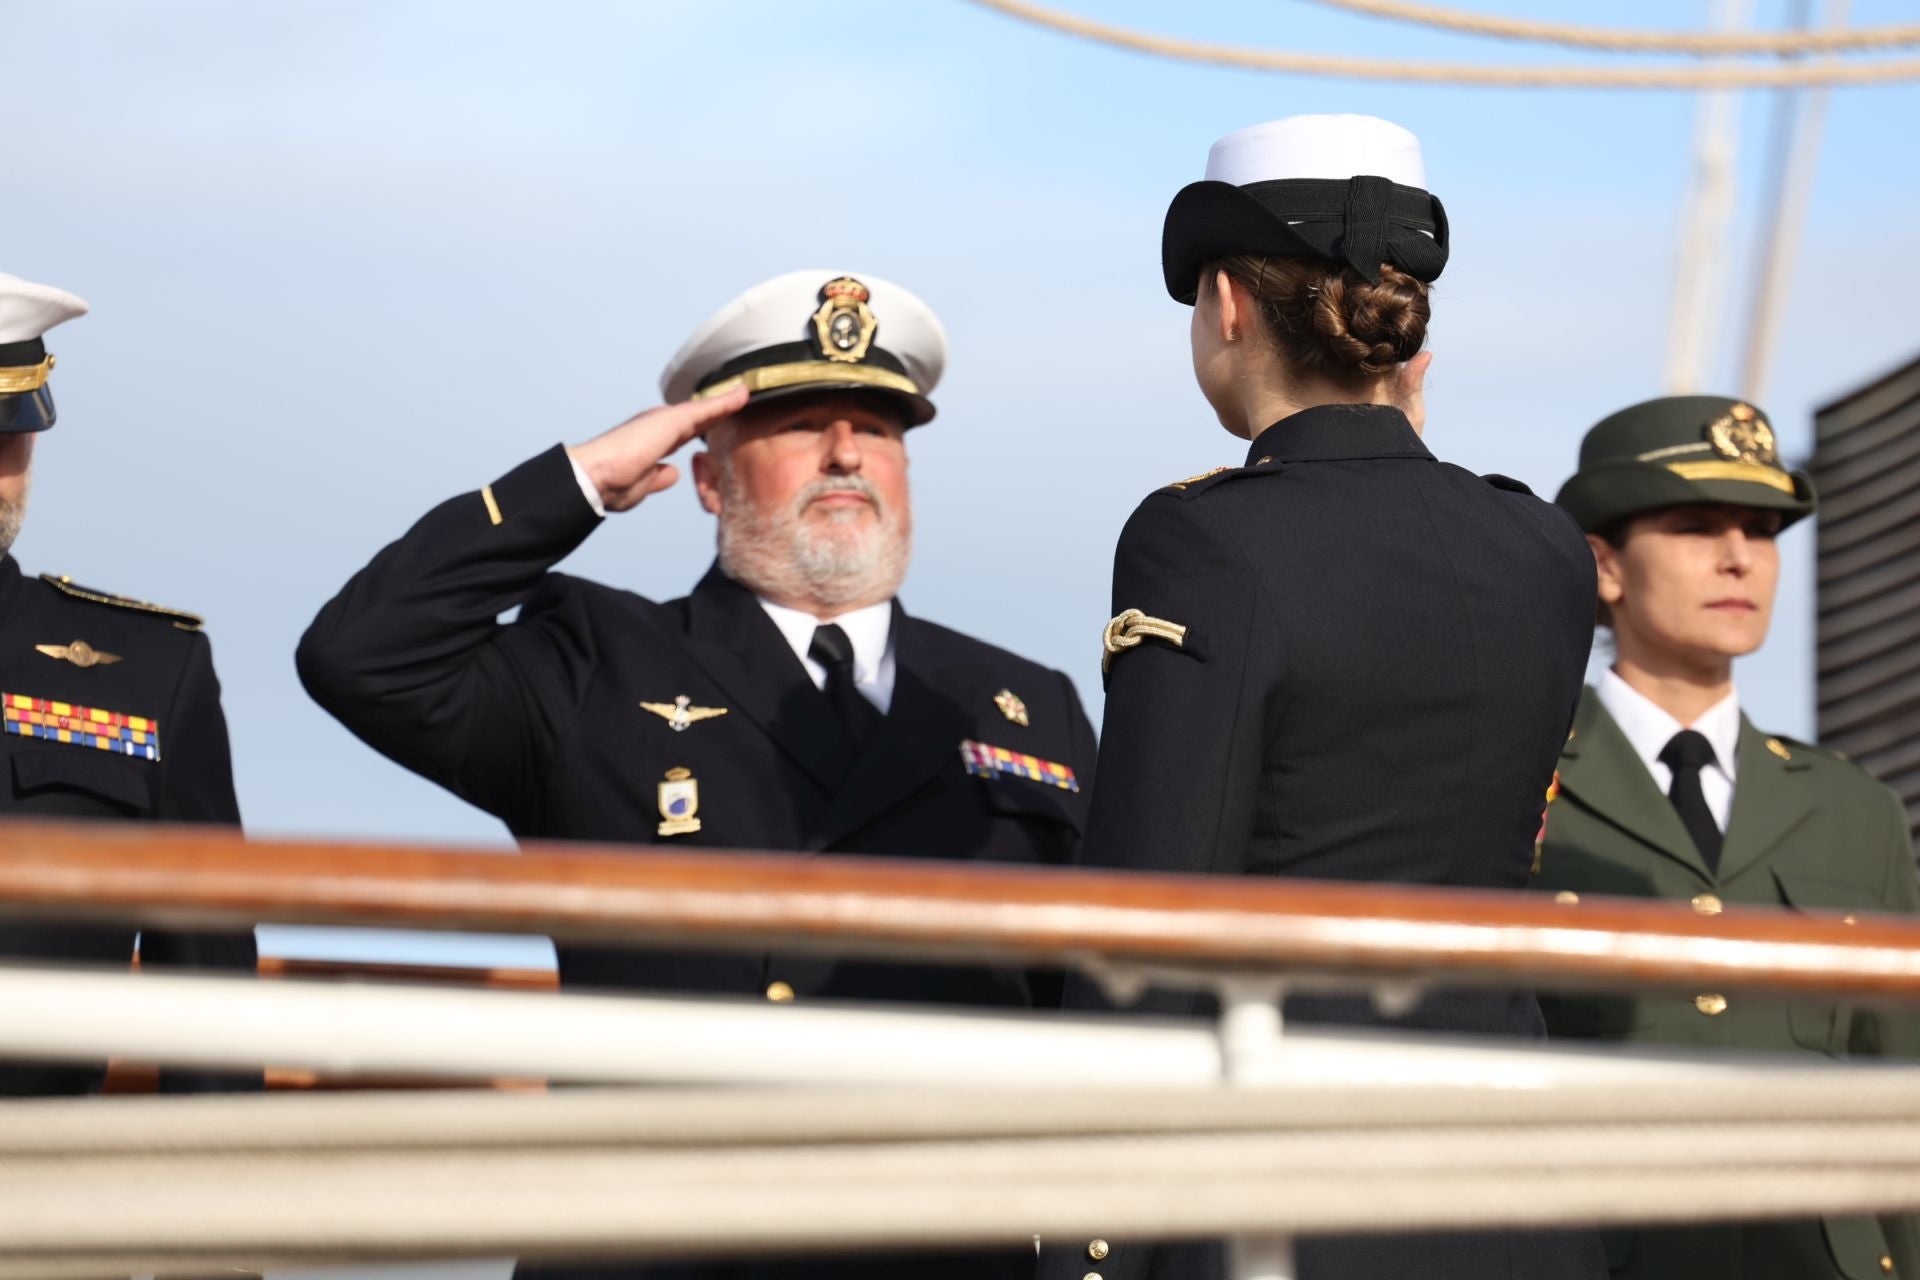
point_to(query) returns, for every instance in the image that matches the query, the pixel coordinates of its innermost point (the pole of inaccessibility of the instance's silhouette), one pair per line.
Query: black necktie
(832, 650)
(1686, 755)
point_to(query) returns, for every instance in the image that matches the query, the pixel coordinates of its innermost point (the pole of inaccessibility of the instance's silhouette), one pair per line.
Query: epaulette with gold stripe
(1193, 480)
(67, 586)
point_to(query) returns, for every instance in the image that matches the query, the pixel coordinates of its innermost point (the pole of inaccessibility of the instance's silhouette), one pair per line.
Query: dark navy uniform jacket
(182, 773)
(1382, 655)
(540, 723)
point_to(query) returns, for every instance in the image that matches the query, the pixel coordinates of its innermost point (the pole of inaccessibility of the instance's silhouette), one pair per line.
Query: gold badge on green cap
(1742, 435)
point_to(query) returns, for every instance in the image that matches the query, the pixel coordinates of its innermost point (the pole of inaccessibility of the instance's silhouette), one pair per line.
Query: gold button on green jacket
(1808, 831)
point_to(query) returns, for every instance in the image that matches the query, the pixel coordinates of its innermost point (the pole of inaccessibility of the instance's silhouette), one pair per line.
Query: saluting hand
(628, 463)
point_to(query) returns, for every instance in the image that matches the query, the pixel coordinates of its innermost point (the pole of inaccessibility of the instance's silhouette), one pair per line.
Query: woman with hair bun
(1344, 659)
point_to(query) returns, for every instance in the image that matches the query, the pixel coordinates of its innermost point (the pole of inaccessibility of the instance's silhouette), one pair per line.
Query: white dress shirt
(1649, 729)
(870, 629)
(588, 489)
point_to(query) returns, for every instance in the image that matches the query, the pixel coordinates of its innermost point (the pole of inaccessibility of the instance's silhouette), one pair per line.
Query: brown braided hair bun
(1330, 321)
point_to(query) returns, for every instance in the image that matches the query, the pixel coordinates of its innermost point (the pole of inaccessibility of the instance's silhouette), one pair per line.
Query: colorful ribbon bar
(81, 726)
(985, 761)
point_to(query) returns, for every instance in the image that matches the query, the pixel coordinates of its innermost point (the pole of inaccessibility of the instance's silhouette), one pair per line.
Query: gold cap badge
(844, 326)
(1742, 435)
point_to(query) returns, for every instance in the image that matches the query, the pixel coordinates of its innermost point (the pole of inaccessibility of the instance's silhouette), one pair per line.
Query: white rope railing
(1730, 76)
(104, 1183)
(1705, 44)
(351, 1028)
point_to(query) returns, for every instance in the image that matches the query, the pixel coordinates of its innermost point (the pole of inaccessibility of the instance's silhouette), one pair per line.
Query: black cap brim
(919, 409)
(1609, 492)
(27, 411)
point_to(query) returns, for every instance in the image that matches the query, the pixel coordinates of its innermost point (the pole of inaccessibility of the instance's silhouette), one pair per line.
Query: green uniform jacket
(1808, 831)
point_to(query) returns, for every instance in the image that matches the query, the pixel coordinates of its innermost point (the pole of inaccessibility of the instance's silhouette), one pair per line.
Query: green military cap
(1678, 450)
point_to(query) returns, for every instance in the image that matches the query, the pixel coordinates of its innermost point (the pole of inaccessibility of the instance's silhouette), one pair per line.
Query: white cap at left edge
(28, 310)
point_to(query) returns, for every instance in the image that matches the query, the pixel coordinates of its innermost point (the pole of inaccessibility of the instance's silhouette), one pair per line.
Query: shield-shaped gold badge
(844, 326)
(679, 803)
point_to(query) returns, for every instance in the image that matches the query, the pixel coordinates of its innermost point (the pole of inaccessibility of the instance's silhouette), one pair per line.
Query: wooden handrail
(915, 908)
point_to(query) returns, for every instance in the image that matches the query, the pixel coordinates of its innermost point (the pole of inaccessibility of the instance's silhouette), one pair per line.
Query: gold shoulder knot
(68, 587)
(1131, 628)
(1204, 475)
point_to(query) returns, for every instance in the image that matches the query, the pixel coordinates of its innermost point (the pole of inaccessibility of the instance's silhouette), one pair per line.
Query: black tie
(832, 650)
(1686, 755)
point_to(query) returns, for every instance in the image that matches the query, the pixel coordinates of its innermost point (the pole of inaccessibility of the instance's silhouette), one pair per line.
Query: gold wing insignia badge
(681, 712)
(79, 653)
(1133, 627)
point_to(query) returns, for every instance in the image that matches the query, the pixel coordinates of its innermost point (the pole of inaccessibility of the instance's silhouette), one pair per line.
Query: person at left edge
(111, 712)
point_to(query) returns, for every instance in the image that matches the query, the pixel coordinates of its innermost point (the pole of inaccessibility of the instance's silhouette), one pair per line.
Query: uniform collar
(870, 630)
(1600, 769)
(9, 581)
(1337, 433)
(1649, 727)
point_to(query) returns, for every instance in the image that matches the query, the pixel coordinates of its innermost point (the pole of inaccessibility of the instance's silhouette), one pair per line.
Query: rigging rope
(1697, 43)
(1843, 74)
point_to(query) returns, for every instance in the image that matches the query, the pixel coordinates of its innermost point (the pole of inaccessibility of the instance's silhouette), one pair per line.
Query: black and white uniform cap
(1345, 188)
(815, 331)
(27, 312)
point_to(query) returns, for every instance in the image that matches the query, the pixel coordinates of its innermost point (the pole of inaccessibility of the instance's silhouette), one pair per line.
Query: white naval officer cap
(815, 331)
(1323, 146)
(27, 311)
(1342, 188)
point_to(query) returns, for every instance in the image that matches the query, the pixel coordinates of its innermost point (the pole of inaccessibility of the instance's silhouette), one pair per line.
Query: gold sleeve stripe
(1133, 627)
(1750, 472)
(493, 508)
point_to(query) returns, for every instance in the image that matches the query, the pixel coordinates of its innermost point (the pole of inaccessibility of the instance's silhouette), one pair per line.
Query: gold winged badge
(680, 712)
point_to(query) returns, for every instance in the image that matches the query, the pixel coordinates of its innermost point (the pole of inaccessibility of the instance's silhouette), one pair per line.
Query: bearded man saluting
(788, 703)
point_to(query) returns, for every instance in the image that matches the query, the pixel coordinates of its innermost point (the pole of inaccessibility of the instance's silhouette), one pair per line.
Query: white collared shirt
(869, 629)
(1649, 729)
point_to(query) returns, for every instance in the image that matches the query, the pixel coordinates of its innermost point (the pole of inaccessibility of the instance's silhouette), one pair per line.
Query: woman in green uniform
(1666, 791)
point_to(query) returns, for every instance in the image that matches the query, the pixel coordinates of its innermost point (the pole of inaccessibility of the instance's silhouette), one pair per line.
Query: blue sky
(349, 258)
